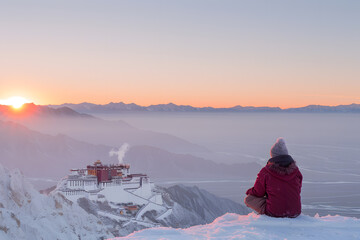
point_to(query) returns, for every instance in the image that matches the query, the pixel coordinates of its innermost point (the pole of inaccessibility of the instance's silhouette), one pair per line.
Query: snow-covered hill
(183, 207)
(193, 206)
(252, 227)
(26, 214)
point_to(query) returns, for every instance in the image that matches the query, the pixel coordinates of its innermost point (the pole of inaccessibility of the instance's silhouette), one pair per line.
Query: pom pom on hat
(279, 148)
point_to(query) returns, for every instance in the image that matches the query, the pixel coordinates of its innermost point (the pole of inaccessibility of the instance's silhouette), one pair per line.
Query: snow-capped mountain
(352, 108)
(171, 107)
(40, 111)
(27, 214)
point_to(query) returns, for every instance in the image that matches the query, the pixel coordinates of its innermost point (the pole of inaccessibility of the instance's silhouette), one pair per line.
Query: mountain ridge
(39, 110)
(85, 127)
(112, 107)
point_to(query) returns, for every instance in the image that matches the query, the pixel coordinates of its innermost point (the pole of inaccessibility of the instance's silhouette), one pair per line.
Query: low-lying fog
(175, 148)
(325, 146)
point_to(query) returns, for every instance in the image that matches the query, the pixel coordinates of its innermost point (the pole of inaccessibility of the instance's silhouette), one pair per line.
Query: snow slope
(253, 226)
(27, 214)
(193, 206)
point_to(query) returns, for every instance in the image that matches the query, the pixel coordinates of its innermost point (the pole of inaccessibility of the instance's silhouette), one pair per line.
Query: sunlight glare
(15, 102)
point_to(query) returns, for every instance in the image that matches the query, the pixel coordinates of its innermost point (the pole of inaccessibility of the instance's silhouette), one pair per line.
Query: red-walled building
(105, 173)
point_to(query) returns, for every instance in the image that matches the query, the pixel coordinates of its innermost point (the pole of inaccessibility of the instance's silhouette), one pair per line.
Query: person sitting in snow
(277, 189)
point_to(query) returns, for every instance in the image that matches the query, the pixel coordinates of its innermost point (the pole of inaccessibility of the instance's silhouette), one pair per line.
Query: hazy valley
(220, 152)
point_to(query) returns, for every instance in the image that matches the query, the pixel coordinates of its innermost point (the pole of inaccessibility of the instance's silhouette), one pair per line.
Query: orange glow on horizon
(203, 100)
(15, 102)
(214, 104)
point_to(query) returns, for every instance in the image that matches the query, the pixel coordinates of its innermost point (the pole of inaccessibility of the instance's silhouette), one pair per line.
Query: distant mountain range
(40, 111)
(84, 127)
(132, 107)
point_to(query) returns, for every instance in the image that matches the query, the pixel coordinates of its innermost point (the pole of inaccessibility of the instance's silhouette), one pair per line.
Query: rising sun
(15, 102)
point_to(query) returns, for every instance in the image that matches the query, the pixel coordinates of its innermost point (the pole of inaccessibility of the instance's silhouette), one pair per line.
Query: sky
(191, 52)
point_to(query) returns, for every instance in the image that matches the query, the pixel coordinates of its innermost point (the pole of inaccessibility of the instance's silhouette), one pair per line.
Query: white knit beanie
(279, 148)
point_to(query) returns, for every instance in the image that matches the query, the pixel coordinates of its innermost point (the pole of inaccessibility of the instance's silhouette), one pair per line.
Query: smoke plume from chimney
(120, 152)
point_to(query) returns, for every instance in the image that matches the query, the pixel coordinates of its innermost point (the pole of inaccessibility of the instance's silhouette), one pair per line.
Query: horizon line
(187, 105)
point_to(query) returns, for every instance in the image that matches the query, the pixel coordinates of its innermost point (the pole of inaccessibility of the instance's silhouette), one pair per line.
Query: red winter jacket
(281, 186)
